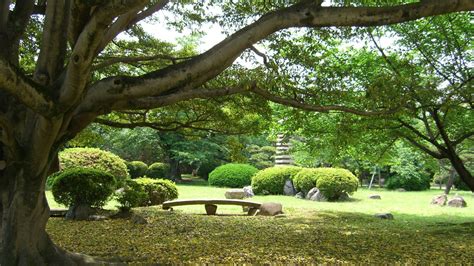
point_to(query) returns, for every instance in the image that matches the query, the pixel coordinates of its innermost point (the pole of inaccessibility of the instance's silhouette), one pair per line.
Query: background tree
(49, 92)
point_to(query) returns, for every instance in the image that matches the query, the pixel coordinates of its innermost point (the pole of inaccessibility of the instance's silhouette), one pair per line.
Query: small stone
(248, 191)
(375, 196)
(387, 216)
(401, 190)
(138, 219)
(236, 193)
(299, 195)
(288, 188)
(311, 192)
(440, 200)
(270, 209)
(97, 218)
(457, 202)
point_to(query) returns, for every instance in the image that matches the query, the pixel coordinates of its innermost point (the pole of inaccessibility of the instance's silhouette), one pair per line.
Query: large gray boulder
(248, 191)
(311, 192)
(270, 209)
(318, 196)
(288, 188)
(236, 193)
(440, 200)
(457, 202)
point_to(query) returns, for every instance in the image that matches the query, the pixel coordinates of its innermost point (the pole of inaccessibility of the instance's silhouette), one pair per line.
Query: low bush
(409, 181)
(306, 179)
(272, 180)
(95, 159)
(137, 169)
(83, 186)
(142, 192)
(335, 182)
(232, 175)
(158, 170)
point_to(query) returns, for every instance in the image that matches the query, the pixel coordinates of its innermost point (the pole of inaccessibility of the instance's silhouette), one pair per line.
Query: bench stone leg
(252, 211)
(211, 209)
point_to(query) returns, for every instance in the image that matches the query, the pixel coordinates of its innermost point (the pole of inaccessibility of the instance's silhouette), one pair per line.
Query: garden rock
(236, 193)
(312, 192)
(270, 209)
(401, 190)
(375, 196)
(318, 196)
(288, 188)
(440, 200)
(248, 191)
(79, 212)
(299, 195)
(386, 216)
(457, 202)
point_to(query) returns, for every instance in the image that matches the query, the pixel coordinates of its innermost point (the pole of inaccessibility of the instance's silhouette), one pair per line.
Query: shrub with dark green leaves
(137, 169)
(158, 170)
(95, 159)
(460, 185)
(50, 180)
(270, 181)
(142, 192)
(306, 179)
(409, 181)
(83, 186)
(335, 182)
(232, 175)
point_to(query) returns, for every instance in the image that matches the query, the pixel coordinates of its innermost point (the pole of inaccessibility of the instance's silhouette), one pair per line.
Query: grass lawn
(312, 232)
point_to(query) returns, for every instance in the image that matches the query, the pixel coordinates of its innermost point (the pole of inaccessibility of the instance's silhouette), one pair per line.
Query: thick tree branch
(128, 60)
(195, 72)
(424, 148)
(421, 135)
(24, 90)
(318, 108)
(87, 46)
(129, 19)
(52, 53)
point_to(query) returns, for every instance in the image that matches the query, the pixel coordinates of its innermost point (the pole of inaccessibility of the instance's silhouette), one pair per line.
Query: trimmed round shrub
(158, 170)
(306, 179)
(142, 192)
(136, 169)
(50, 180)
(270, 181)
(232, 175)
(335, 182)
(409, 182)
(83, 186)
(95, 159)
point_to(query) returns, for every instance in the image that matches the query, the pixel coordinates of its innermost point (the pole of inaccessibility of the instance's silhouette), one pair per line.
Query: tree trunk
(462, 171)
(450, 182)
(175, 171)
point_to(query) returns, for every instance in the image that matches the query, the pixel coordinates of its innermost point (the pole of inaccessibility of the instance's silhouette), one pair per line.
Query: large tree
(42, 109)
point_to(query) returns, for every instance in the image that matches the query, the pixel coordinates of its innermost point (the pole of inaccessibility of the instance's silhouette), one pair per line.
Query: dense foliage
(232, 175)
(146, 192)
(137, 169)
(95, 159)
(158, 170)
(306, 179)
(272, 180)
(336, 182)
(86, 186)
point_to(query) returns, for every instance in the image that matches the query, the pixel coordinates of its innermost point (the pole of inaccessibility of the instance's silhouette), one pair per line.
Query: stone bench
(211, 204)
